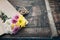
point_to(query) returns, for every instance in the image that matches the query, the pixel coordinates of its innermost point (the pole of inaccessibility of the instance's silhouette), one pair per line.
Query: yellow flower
(21, 21)
(12, 26)
(17, 24)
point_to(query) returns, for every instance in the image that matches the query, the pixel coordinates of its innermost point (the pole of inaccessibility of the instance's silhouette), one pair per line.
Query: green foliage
(3, 17)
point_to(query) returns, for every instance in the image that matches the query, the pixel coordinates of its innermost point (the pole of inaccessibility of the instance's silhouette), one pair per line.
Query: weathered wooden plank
(31, 32)
(52, 24)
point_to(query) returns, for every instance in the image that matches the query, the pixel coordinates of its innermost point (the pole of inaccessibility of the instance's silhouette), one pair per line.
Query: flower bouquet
(10, 19)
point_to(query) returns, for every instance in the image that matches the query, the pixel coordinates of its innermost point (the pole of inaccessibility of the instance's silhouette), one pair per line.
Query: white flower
(7, 26)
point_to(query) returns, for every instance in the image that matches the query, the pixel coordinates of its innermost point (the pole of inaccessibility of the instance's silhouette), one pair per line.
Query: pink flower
(16, 17)
(15, 30)
(14, 21)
